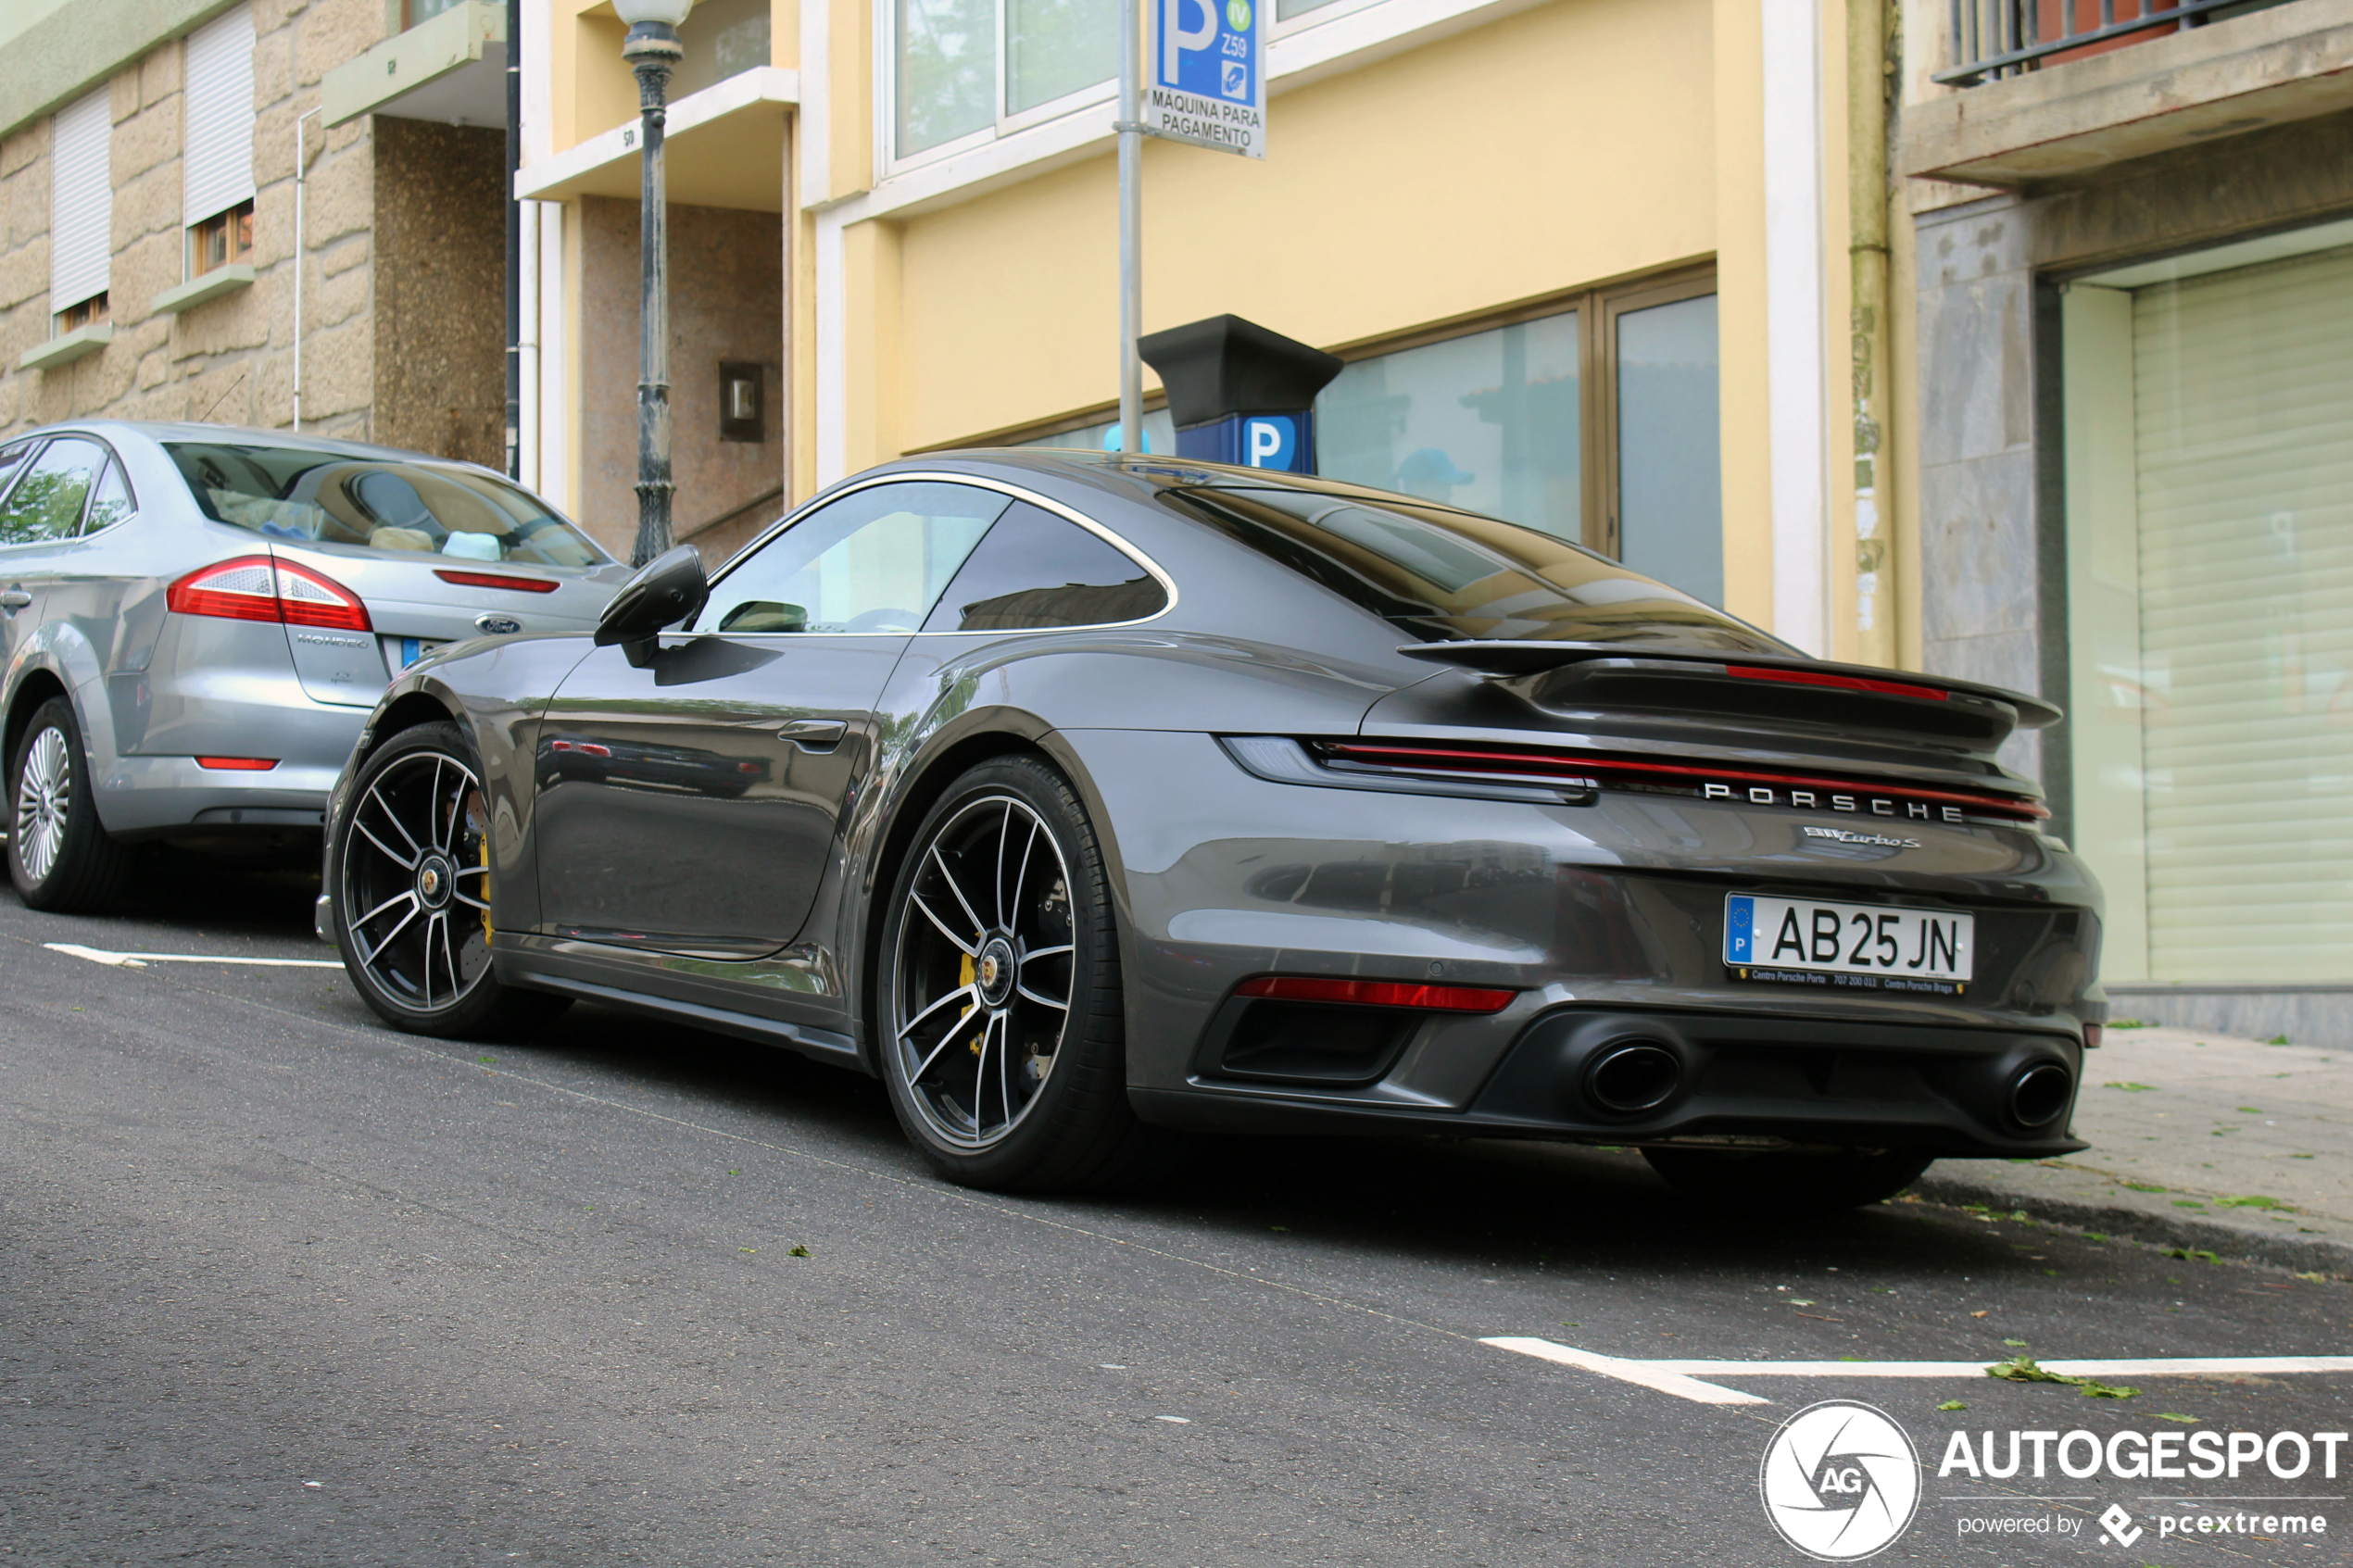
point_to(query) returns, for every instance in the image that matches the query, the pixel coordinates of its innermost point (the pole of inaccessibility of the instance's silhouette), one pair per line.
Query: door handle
(813, 734)
(15, 598)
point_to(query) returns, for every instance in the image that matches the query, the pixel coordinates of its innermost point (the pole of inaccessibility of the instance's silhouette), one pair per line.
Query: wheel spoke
(1042, 1001)
(389, 853)
(970, 991)
(996, 883)
(1004, 1054)
(962, 902)
(1021, 869)
(391, 816)
(970, 949)
(368, 959)
(433, 813)
(1036, 953)
(945, 1041)
(449, 953)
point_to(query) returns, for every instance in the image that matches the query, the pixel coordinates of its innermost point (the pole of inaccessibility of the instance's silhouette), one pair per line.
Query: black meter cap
(1225, 365)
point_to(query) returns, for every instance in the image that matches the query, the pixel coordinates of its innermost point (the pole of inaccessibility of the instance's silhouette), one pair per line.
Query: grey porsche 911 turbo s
(1093, 801)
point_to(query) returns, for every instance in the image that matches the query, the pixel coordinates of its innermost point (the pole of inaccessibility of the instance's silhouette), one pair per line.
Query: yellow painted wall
(1549, 150)
(1739, 87)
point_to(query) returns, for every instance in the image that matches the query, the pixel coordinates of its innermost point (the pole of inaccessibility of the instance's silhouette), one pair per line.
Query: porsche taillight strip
(1376, 992)
(1526, 764)
(1843, 683)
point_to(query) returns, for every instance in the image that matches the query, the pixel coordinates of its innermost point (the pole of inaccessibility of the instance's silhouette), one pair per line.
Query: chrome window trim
(927, 476)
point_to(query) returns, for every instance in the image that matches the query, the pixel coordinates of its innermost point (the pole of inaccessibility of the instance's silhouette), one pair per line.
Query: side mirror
(666, 590)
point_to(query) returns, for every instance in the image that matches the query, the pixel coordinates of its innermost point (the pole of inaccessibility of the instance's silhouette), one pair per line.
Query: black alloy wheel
(1000, 1024)
(1788, 1180)
(60, 856)
(412, 893)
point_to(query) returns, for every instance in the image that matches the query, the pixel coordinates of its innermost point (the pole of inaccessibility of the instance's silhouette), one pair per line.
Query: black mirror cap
(667, 589)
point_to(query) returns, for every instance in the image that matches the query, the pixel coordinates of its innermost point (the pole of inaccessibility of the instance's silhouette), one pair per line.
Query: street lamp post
(652, 51)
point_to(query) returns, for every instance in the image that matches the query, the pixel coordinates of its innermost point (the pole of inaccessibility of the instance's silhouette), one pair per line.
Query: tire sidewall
(1091, 1028)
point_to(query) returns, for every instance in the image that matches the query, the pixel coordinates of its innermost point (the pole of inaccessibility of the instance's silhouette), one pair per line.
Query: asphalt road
(281, 1286)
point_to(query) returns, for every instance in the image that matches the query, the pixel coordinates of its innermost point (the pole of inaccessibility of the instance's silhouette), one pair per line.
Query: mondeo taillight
(258, 588)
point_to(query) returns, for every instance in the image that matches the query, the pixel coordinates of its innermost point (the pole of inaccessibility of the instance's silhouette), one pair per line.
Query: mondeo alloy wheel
(45, 789)
(416, 869)
(981, 980)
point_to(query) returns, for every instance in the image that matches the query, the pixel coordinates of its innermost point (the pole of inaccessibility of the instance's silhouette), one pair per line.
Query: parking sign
(1208, 82)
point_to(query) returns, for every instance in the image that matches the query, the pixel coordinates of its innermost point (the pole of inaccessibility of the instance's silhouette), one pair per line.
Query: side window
(1037, 570)
(113, 502)
(47, 502)
(12, 461)
(871, 562)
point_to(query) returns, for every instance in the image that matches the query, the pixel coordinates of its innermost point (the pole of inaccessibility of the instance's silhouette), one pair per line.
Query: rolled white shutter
(217, 155)
(2244, 399)
(80, 200)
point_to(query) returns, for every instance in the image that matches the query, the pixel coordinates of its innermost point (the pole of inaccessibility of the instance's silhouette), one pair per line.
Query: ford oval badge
(497, 625)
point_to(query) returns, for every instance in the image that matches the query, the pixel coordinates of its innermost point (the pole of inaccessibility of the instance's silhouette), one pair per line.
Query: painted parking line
(1687, 1379)
(141, 960)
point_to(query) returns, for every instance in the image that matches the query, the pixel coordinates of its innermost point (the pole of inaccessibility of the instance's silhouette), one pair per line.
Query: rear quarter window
(1036, 570)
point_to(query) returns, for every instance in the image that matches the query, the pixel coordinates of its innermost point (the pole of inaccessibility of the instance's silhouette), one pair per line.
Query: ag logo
(1840, 1480)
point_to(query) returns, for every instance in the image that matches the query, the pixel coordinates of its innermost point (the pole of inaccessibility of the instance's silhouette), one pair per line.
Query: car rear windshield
(397, 505)
(1442, 575)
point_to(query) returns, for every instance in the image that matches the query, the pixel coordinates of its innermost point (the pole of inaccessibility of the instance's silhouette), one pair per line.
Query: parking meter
(1239, 394)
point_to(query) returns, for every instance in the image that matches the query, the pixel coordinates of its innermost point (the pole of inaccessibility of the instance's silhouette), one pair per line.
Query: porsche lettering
(1826, 800)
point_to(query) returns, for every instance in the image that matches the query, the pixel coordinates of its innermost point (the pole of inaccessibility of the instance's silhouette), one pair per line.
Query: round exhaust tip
(2040, 1094)
(1632, 1077)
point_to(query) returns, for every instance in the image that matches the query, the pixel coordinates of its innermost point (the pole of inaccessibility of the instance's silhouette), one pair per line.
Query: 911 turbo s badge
(1844, 835)
(1824, 800)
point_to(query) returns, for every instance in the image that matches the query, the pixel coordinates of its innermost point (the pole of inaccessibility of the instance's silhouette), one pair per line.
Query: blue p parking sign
(1208, 83)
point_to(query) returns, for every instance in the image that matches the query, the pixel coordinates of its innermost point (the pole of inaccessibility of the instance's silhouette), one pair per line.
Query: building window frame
(1281, 26)
(224, 239)
(1006, 122)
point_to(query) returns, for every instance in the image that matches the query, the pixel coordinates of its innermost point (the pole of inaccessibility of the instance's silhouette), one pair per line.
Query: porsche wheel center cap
(433, 882)
(995, 972)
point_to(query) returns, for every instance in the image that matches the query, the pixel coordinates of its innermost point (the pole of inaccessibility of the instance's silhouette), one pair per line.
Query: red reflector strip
(238, 764)
(1376, 992)
(2092, 1036)
(1844, 682)
(1433, 757)
(492, 580)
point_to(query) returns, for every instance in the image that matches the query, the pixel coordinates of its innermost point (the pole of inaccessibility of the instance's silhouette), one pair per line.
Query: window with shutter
(217, 156)
(81, 209)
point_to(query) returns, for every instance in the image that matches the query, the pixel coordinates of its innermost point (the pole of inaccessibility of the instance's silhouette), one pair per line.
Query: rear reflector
(494, 580)
(2092, 1036)
(258, 588)
(1843, 683)
(239, 764)
(1625, 772)
(1376, 993)
(586, 747)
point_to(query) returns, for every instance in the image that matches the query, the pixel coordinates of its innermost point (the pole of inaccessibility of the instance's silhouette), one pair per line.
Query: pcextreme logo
(1840, 1480)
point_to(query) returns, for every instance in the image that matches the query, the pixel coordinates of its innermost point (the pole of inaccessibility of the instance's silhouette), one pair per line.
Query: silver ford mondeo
(1087, 801)
(195, 620)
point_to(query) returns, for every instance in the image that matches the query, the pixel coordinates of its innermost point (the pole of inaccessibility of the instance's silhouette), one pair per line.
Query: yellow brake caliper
(964, 977)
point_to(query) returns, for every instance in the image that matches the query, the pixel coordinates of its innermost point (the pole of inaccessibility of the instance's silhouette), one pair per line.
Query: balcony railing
(1997, 38)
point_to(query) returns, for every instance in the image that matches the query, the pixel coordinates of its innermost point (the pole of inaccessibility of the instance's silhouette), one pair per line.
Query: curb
(2300, 1254)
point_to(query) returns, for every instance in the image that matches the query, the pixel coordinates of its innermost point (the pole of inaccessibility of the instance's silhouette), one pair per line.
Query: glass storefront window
(1489, 422)
(1670, 506)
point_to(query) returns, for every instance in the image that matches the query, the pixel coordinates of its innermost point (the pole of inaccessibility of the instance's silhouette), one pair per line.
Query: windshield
(393, 504)
(1441, 575)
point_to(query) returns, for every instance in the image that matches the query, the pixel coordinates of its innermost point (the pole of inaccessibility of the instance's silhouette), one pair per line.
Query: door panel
(690, 805)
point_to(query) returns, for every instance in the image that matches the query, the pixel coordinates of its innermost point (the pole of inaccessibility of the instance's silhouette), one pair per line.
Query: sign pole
(1131, 225)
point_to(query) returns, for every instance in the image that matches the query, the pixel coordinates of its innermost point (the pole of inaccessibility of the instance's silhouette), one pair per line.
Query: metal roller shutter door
(2243, 400)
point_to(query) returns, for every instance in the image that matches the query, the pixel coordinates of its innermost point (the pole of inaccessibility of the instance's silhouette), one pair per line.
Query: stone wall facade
(376, 195)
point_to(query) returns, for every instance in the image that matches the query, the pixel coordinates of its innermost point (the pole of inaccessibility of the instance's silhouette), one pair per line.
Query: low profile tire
(410, 875)
(1782, 1180)
(60, 857)
(997, 1009)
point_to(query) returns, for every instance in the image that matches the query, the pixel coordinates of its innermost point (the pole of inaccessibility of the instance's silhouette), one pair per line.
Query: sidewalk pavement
(2235, 1146)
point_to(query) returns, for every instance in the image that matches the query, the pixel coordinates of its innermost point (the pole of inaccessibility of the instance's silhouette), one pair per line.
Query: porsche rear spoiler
(1627, 667)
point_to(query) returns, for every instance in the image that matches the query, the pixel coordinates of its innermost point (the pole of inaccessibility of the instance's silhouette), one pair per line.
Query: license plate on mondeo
(1786, 938)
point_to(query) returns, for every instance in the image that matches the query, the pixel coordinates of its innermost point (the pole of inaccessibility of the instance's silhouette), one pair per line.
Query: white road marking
(1650, 1375)
(141, 960)
(1684, 1379)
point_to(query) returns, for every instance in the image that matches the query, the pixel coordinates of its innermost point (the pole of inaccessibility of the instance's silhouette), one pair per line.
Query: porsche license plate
(1803, 936)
